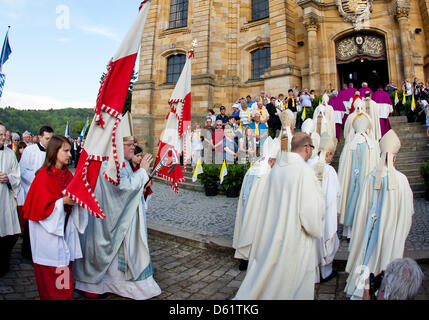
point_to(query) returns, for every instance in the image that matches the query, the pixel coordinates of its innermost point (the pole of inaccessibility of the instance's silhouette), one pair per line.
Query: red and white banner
(104, 140)
(176, 136)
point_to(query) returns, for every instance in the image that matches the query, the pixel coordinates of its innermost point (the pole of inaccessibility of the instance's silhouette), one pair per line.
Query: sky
(60, 49)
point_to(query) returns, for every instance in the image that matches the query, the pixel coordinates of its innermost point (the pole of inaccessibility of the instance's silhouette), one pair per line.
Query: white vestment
(345, 171)
(372, 109)
(394, 210)
(248, 209)
(116, 252)
(32, 160)
(9, 222)
(328, 245)
(50, 244)
(283, 254)
(328, 119)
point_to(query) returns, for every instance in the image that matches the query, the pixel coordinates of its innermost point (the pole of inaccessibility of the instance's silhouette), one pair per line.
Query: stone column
(311, 24)
(402, 13)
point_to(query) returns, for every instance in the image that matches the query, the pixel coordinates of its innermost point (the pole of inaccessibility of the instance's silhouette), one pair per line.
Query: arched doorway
(362, 57)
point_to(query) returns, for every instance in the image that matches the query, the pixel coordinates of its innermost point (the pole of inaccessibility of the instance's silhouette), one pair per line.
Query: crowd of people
(238, 137)
(290, 204)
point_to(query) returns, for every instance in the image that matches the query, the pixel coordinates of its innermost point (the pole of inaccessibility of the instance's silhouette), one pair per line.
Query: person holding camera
(382, 219)
(401, 280)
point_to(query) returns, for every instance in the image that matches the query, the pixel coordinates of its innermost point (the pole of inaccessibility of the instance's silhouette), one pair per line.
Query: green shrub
(210, 175)
(235, 176)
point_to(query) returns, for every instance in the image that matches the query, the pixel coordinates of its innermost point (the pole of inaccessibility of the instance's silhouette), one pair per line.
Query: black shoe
(243, 265)
(331, 276)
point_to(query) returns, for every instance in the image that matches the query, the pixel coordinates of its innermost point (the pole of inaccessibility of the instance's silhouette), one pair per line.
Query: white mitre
(389, 147)
(327, 144)
(325, 99)
(361, 123)
(308, 126)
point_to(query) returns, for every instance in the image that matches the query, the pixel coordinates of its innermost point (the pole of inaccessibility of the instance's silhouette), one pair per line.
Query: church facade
(273, 45)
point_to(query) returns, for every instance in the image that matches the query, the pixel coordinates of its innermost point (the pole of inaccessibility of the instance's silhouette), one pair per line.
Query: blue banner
(5, 51)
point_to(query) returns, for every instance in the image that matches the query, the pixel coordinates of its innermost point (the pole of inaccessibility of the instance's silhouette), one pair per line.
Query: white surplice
(9, 222)
(50, 244)
(32, 160)
(394, 225)
(283, 254)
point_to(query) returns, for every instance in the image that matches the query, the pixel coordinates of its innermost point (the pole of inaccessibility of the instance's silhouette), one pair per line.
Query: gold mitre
(327, 143)
(126, 127)
(361, 123)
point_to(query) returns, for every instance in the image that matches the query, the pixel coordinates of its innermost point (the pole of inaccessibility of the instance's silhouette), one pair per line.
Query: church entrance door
(356, 72)
(361, 57)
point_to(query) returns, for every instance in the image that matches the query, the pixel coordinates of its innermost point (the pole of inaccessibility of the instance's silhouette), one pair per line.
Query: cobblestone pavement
(183, 272)
(197, 214)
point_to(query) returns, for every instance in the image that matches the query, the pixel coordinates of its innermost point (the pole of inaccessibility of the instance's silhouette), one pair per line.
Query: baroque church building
(273, 45)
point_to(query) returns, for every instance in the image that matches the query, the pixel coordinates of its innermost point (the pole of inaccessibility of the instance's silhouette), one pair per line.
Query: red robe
(45, 190)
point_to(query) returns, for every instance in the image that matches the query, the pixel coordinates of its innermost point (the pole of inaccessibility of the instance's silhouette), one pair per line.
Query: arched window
(260, 9)
(261, 59)
(178, 13)
(175, 65)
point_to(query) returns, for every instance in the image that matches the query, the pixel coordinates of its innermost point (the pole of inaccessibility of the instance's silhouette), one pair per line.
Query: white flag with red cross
(175, 140)
(104, 140)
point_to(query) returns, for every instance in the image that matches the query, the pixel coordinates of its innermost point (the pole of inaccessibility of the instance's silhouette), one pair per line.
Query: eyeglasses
(129, 144)
(309, 145)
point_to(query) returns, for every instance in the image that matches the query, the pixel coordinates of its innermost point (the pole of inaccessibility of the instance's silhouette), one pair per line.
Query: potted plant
(424, 171)
(209, 179)
(234, 179)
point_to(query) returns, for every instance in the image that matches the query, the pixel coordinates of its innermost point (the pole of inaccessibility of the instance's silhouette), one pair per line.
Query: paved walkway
(192, 215)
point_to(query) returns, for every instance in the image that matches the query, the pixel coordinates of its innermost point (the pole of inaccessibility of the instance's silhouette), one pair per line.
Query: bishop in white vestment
(372, 109)
(358, 158)
(324, 117)
(248, 208)
(382, 220)
(328, 245)
(283, 254)
(116, 254)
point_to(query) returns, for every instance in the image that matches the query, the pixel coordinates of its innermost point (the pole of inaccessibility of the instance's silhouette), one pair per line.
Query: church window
(261, 59)
(175, 65)
(178, 14)
(260, 9)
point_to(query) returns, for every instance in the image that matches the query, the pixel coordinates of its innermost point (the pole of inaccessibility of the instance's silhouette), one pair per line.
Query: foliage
(235, 176)
(308, 113)
(210, 175)
(32, 120)
(316, 102)
(424, 171)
